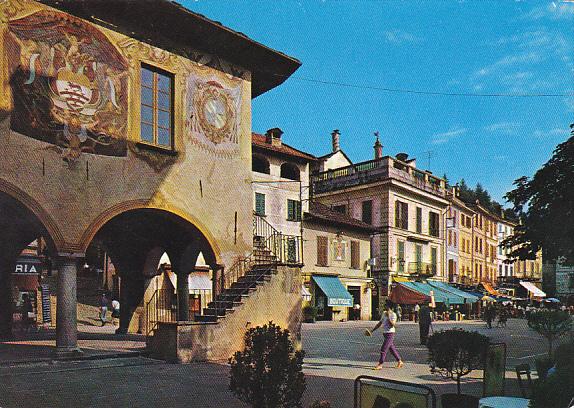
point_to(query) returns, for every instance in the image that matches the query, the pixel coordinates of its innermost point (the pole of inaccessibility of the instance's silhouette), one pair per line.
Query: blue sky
(484, 47)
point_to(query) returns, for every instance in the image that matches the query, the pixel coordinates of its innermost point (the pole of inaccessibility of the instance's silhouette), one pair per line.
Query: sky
(351, 50)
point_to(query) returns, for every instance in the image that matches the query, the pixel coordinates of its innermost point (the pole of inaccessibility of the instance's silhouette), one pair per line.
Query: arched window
(290, 171)
(260, 164)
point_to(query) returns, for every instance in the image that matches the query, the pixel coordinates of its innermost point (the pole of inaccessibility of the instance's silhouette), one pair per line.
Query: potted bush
(551, 324)
(268, 372)
(453, 354)
(309, 314)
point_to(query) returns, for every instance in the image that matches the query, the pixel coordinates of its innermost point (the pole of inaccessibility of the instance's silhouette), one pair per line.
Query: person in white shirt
(115, 311)
(388, 321)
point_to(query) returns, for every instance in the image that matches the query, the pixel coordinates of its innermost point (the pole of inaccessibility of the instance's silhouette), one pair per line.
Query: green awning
(440, 295)
(337, 294)
(468, 298)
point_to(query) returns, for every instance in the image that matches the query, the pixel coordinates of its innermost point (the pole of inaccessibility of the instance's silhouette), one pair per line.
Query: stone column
(6, 296)
(66, 311)
(182, 296)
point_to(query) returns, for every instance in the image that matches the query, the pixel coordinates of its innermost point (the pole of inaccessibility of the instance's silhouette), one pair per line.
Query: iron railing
(422, 268)
(163, 306)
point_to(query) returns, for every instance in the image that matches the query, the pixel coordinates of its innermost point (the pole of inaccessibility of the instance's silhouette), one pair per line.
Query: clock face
(215, 111)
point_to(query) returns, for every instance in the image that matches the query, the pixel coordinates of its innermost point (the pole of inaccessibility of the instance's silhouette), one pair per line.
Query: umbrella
(488, 298)
(552, 300)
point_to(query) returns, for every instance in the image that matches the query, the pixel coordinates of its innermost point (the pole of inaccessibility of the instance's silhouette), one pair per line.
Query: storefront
(534, 292)
(332, 299)
(26, 282)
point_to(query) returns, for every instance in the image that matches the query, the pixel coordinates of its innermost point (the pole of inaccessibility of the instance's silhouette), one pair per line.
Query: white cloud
(555, 10)
(551, 132)
(399, 37)
(503, 127)
(445, 137)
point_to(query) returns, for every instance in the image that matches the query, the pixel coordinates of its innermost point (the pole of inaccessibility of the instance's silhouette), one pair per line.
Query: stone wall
(278, 301)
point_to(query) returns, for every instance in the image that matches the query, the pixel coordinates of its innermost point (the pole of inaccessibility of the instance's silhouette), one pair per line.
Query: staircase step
(223, 304)
(208, 311)
(207, 319)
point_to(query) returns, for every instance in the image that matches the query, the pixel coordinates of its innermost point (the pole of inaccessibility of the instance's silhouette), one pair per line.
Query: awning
(337, 294)
(448, 297)
(488, 287)
(468, 298)
(405, 295)
(531, 287)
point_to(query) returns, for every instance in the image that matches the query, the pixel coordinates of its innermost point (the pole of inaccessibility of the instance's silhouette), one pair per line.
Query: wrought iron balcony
(422, 268)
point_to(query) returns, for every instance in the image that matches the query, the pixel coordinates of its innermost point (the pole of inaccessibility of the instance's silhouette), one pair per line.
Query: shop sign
(28, 266)
(340, 302)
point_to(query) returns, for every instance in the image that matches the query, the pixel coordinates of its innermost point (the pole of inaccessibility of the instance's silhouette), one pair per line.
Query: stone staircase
(260, 266)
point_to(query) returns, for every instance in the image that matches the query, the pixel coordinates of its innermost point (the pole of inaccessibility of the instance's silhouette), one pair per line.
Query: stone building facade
(133, 139)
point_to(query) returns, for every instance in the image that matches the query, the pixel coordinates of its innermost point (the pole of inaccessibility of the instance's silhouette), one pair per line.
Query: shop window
(156, 110)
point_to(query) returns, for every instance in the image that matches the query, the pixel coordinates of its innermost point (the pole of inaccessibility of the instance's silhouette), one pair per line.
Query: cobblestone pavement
(336, 354)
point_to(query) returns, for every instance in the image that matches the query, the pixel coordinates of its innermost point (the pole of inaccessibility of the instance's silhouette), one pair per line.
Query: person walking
(424, 323)
(28, 316)
(388, 321)
(399, 313)
(489, 314)
(115, 311)
(417, 309)
(103, 308)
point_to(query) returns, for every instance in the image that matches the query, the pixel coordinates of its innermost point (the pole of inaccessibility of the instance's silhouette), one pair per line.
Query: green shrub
(309, 314)
(268, 373)
(455, 353)
(551, 324)
(542, 366)
(321, 404)
(555, 391)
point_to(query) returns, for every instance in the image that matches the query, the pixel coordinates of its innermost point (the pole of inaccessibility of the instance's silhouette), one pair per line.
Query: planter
(542, 367)
(458, 401)
(309, 319)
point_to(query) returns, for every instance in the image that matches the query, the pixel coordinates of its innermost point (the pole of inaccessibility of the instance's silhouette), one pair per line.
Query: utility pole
(429, 154)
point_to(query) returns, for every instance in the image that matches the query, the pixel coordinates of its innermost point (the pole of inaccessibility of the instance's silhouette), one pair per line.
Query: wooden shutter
(405, 215)
(260, 204)
(355, 255)
(291, 210)
(397, 214)
(322, 251)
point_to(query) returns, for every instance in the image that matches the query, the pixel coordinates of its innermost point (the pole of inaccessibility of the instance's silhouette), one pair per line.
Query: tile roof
(260, 141)
(322, 212)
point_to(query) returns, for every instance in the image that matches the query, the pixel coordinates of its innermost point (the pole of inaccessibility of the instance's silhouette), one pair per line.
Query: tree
(455, 353)
(268, 373)
(483, 196)
(545, 206)
(551, 324)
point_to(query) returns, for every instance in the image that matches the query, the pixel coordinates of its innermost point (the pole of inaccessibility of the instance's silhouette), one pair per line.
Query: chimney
(336, 135)
(402, 157)
(273, 136)
(378, 147)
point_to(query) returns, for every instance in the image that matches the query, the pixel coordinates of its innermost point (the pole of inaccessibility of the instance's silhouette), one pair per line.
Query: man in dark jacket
(424, 323)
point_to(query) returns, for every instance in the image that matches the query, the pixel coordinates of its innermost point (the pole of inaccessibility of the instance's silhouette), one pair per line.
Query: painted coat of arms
(69, 85)
(214, 112)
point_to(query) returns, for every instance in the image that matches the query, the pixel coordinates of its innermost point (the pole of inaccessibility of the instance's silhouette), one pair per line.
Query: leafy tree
(545, 205)
(268, 373)
(483, 196)
(551, 324)
(455, 353)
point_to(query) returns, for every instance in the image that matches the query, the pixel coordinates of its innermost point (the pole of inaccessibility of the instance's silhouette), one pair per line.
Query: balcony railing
(422, 268)
(377, 170)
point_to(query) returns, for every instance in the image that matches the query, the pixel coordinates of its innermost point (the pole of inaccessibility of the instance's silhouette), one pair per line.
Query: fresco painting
(68, 84)
(213, 114)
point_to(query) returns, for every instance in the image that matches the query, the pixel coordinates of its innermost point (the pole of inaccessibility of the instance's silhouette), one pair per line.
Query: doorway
(354, 311)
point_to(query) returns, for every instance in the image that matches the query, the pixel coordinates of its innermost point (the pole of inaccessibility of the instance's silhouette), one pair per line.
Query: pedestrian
(115, 311)
(103, 308)
(417, 310)
(489, 315)
(388, 321)
(399, 313)
(425, 322)
(502, 318)
(28, 316)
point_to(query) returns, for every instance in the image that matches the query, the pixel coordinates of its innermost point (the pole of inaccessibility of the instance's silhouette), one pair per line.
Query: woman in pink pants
(388, 321)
